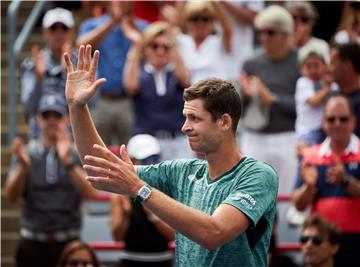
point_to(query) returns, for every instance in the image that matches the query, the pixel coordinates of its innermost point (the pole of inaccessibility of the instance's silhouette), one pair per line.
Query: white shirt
(206, 60)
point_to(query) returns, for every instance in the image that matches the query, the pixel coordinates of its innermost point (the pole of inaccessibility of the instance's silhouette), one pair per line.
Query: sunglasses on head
(302, 19)
(316, 239)
(157, 46)
(268, 32)
(57, 26)
(198, 19)
(76, 263)
(51, 114)
(342, 119)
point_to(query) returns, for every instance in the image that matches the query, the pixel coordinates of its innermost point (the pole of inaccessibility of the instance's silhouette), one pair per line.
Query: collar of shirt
(352, 147)
(159, 77)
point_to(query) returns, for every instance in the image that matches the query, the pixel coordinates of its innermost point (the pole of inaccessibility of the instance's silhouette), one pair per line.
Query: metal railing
(15, 44)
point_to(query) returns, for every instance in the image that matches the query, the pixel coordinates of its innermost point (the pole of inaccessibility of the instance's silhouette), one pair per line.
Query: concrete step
(8, 244)
(10, 220)
(7, 261)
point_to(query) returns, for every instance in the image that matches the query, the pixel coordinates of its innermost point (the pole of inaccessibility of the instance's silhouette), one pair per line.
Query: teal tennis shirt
(250, 186)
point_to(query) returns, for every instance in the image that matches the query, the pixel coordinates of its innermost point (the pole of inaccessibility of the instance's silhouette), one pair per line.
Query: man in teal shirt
(222, 207)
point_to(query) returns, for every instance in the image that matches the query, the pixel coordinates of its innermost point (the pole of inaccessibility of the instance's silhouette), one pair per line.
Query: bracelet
(70, 166)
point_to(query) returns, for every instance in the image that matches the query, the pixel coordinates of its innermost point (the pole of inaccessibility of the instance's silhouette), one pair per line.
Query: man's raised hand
(80, 83)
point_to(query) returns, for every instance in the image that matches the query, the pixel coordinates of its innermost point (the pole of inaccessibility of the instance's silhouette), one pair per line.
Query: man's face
(204, 134)
(336, 67)
(49, 122)
(315, 247)
(57, 35)
(338, 123)
(272, 40)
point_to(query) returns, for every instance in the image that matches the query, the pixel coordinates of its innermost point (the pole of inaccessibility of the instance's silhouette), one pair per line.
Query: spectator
(48, 178)
(320, 241)
(312, 89)
(45, 71)
(143, 232)
(305, 15)
(268, 80)
(351, 33)
(329, 178)
(78, 253)
(345, 68)
(242, 14)
(202, 51)
(112, 34)
(155, 76)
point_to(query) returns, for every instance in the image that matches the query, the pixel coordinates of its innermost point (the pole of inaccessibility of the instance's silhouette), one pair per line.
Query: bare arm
(118, 175)
(120, 216)
(182, 74)
(132, 70)
(319, 97)
(15, 183)
(226, 26)
(304, 195)
(242, 15)
(80, 87)
(97, 35)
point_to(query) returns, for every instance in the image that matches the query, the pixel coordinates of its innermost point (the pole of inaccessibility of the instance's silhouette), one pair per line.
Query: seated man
(320, 241)
(329, 178)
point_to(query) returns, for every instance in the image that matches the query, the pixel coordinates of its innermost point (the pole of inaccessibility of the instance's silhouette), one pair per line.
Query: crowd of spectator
(301, 99)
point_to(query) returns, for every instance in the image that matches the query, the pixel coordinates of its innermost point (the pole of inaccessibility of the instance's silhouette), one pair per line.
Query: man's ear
(226, 122)
(334, 248)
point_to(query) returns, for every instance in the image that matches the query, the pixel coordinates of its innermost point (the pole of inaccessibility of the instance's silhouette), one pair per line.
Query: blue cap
(52, 102)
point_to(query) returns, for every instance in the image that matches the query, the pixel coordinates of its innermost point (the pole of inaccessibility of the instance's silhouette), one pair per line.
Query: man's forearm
(210, 231)
(303, 196)
(15, 184)
(84, 131)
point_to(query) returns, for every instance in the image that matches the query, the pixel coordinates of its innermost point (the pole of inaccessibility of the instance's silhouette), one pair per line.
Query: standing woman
(155, 76)
(204, 48)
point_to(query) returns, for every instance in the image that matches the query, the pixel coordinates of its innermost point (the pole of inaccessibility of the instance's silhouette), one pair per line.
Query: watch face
(144, 192)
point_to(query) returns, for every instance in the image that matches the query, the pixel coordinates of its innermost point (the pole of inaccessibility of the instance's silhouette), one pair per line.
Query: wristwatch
(345, 180)
(143, 193)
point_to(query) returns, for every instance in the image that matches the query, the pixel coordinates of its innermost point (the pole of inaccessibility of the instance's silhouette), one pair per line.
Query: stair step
(10, 220)
(8, 243)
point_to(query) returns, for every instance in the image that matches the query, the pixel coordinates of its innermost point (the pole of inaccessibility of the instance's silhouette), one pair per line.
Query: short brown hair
(324, 227)
(220, 97)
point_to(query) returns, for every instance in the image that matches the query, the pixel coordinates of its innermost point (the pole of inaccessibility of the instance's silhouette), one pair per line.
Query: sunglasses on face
(156, 46)
(60, 26)
(268, 32)
(342, 119)
(316, 239)
(198, 19)
(302, 19)
(51, 114)
(83, 263)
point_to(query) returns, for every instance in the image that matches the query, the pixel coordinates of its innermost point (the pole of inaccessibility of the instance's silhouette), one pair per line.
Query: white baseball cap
(142, 146)
(58, 14)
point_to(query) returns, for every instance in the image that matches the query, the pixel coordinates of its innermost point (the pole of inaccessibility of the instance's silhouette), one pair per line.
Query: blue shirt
(113, 49)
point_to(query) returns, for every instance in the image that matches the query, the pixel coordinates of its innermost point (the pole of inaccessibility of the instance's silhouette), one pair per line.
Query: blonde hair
(194, 8)
(152, 31)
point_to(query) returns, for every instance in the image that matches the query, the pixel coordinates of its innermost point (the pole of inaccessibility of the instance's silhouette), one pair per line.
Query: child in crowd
(312, 89)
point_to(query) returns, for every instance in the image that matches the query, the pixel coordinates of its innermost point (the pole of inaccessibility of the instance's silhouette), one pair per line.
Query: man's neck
(223, 160)
(338, 146)
(279, 54)
(49, 142)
